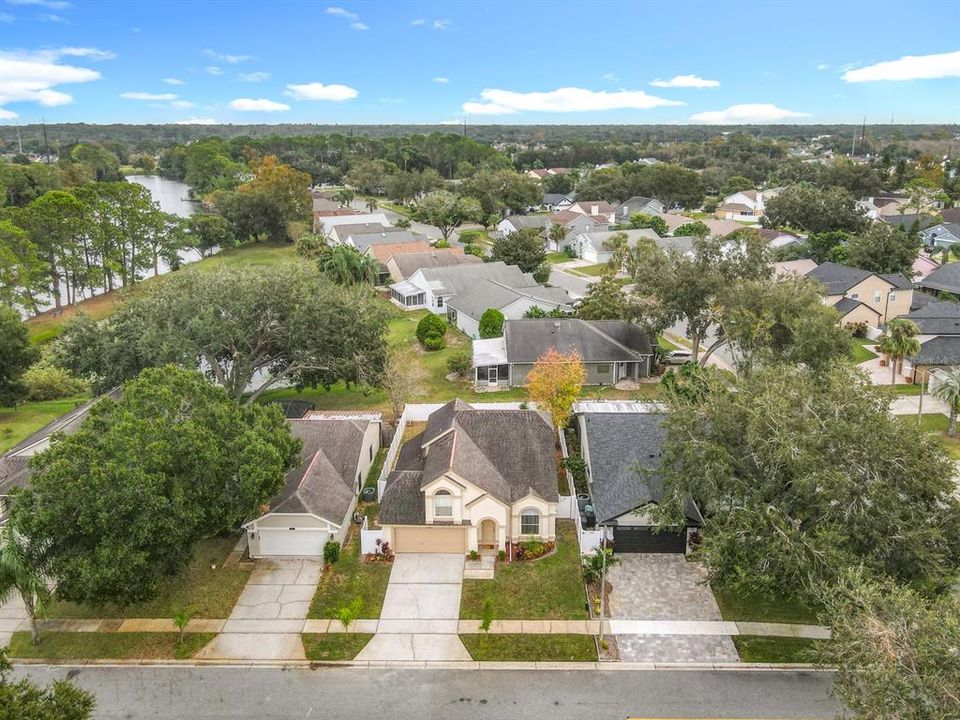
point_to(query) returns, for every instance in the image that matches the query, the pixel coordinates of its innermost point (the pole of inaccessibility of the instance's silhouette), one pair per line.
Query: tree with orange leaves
(555, 381)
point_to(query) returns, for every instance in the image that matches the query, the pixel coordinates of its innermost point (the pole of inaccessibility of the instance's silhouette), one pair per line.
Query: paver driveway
(420, 610)
(664, 586)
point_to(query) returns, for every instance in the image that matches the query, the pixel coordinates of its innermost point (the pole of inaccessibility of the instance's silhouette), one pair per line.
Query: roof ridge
(589, 324)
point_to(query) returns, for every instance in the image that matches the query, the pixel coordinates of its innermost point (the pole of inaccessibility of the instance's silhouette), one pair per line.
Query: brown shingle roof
(386, 251)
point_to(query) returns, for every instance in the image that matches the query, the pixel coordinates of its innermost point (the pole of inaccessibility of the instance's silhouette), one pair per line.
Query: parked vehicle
(678, 357)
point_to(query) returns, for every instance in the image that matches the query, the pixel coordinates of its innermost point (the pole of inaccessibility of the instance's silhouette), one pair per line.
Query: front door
(488, 533)
(492, 375)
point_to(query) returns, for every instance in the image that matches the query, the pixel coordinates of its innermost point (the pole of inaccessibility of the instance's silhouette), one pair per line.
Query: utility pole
(46, 144)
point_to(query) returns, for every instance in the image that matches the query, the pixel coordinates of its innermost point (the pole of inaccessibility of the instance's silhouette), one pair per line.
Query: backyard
(19, 423)
(348, 579)
(549, 588)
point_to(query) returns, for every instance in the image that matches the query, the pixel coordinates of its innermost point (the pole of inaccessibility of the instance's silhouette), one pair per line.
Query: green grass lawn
(375, 469)
(19, 423)
(862, 350)
(546, 589)
(907, 389)
(209, 592)
(758, 649)
(666, 344)
(558, 257)
(757, 608)
(531, 648)
(334, 646)
(937, 424)
(108, 646)
(593, 270)
(350, 578)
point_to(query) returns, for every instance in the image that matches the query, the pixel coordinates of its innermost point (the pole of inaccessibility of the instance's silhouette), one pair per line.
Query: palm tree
(21, 571)
(372, 205)
(557, 234)
(900, 342)
(345, 266)
(344, 196)
(948, 390)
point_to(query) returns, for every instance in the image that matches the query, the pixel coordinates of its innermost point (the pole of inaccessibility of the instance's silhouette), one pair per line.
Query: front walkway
(270, 613)
(910, 405)
(13, 617)
(421, 611)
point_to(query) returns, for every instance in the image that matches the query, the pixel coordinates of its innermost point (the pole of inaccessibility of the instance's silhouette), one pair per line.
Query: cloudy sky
(519, 61)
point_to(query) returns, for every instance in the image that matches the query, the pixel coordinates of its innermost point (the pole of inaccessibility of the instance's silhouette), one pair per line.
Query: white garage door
(281, 541)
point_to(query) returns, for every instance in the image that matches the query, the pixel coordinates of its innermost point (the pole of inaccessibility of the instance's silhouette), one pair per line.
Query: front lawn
(862, 350)
(19, 423)
(759, 649)
(550, 588)
(108, 646)
(205, 586)
(531, 648)
(555, 258)
(747, 607)
(350, 578)
(593, 270)
(321, 647)
(937, 424)
(907, 389)
(666, 344)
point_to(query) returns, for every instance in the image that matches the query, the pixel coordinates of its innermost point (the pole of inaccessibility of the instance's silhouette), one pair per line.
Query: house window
(892, 297)
(603, 369)
(451, 315)
(439, 301)
(855, 296)
(529, 522)
(482, 374)
(877, 296)
(443, 505)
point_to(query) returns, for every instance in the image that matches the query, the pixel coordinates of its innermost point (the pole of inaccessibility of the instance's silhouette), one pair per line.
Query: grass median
(108, 646)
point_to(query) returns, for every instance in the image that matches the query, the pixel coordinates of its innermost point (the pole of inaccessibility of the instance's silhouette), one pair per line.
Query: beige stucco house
(473, 480)
(864, 296)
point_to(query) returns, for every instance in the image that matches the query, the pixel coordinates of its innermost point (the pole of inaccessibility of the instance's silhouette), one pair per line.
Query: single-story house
(908, 221)
(319, 497)
(877, 207)
(319, 215)
(792, 268)
(383, 253)
(575, 223)
(465, 310)
(622, 452)
(943, 235)
(327, 224)
(473, 480)
(638, 204)
(349, 234)
(400, 266)
(612, 350)
(595, 208)
(942, 351)
(515, 223)
(889, 295)
(433, 287)
(595, 246)
(778, 238)
(550, 201)
(945, 278)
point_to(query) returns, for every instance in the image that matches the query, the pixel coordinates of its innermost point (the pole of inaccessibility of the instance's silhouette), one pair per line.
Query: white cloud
(148, 96)
(441, 80)
(214, 70)
(52, 4)
(342, 12)
(438, 24)
(419, 22)
(909, 67)
(31, 76)
(52, 17)
(359, 26)
(567, 99)
(686, 81)
(823, 66)
(182, 104)
(197, 121)
(746, 114)
(257, 105)
(319, 91)
(7, 114)
(231, 59)
(611, 77)
(174, 81)
(253, 77)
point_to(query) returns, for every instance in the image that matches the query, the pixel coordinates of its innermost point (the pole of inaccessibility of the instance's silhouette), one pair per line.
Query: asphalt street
(331, 693)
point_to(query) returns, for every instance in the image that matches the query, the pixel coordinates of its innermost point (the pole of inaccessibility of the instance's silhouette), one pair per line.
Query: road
(224, 693)
(574, 284)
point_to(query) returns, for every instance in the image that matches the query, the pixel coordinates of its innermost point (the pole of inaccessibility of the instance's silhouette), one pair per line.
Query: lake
(173, 197)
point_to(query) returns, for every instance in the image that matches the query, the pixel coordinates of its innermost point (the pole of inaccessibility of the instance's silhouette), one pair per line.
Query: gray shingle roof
(838, 278)
(409, 263)
(595, 340)
(907, 220)
(454, 279)
(620, 445)
(846, 305)
(937, 317)
(492, 294)
(898, 281)
(394, 237)
(528, 221)
(941, 350)
(946, 278)
(402, 502)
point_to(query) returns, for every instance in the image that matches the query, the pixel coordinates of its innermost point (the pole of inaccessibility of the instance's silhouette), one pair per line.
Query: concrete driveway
(420, 610)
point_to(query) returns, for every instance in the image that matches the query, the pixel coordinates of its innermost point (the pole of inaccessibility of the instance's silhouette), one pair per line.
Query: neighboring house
(384, 252)
(945, 278)
(877, 207)
(595, 209)
(319, 215)
(923, 266)
(317, 502)
(552, 200)
(937, 317)
(515, 223)
(612, 350)
(792, 268)
(363, 241)
(943, 235)
(622, 452)
(942, 351)
(402, 265)
(884, 297)
(746, 205)
(717, 228)
(595, 247)
(327, 224)
(338, 234)
(473, 480)
(950, 215)
(541, 173)
(465, 310)
(637, 204)
(777, 238)
(433, 287)
(908, 221)
(574, 223)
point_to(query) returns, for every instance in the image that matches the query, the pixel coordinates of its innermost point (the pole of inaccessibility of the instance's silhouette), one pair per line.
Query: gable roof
(454, 279)
(936, 317)
(846, 305)
(596, 340)
(940, 350)
(907, 220)
(898, 281)
(946, 278)
(638, 201)
(409, 263)
(521, 222)
(364, 240)
(603, 207)
(493, 294)
(385, 251)
(838, 278)
(565, 217)
(597, 240)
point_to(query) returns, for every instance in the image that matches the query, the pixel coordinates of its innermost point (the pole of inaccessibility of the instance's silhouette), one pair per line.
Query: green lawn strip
(666, 344)
(555, 258)
(19, 423)
(747, 607)
(592, 270)
(862, 351)
(209, 592)
(937, 424)
(907, 389)
(334, 646)
(350, 578)
(375, 469)
(531, 648)
(546, 589)
(759, 649)
(108, 646)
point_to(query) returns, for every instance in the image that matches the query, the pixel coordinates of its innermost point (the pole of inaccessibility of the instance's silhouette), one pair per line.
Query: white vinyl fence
(368, 538)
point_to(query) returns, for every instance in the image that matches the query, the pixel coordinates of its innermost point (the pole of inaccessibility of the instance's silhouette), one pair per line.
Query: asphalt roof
(595, 340)
(365, 240)
(409, 263)
(937, 317)
(907, 220)
(454, 279)
(598, 239)
(493, 294)
(847, 305)
(625, 454)
(838, 278)
(941, 350)
(946, 278)
(528, 221)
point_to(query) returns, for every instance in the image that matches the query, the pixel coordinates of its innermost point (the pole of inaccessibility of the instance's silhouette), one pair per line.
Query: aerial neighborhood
(411, 399)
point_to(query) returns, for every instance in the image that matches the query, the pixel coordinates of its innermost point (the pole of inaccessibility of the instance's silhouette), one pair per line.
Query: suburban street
(224, 693)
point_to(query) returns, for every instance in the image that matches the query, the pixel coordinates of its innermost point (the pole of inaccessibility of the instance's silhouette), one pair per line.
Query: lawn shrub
(431, 325)
(331, 552)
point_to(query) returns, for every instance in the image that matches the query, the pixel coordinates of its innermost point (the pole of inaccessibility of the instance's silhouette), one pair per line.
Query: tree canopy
(16, 356)
(554, 383)
(813, 210)
(25, 700)
(883, 249)
(446, 211)
(523, 248)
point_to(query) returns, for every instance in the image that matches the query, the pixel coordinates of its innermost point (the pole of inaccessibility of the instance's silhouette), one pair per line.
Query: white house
(745, 205)
(596, 246)
(574, 223)
(595, 209)
(466, 309)
(327, 224)
(433, 287)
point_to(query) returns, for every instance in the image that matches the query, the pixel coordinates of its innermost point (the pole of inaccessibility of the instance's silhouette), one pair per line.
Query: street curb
(432, 665)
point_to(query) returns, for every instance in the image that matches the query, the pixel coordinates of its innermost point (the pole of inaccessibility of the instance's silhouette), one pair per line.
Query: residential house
(596, 246)
(433, 287)
(909, 221)
(319, 215)
(945, 278)
(596, 209)
(541, 173)
(792, 268)
(745, 205)
(465, 310)
(327, 224)
(552, 200)
(867, 297)
(717, 228)
(777, 239)
(939, 324)
(384, 252)
(515, 223)
(401, 265)
(638, 204)
(622, 451)
(473, 480)
(318, 499)
(574, 223)
(878, 207)
(612, 350)
(942, 235)
(923, 266)
(950, 215)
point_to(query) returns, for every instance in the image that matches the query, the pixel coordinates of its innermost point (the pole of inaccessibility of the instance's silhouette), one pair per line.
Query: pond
(172, 196)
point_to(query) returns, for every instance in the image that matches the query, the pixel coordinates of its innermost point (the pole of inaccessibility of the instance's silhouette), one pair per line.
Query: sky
(514, 62)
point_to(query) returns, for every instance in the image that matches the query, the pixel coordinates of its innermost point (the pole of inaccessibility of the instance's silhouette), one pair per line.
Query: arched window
(443, 505)
(529, 522)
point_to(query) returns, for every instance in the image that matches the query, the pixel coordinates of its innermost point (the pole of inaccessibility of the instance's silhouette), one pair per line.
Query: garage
(643, 539)
(430, 540)
(278, 542)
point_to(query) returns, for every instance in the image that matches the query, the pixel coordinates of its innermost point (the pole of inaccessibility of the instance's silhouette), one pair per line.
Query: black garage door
(631, 539)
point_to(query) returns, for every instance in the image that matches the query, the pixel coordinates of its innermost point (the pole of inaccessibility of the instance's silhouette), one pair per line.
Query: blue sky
(493, 62)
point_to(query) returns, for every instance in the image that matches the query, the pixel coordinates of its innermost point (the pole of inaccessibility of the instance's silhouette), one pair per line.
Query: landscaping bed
(531, 648)
(349, 578)
(758, 649)
(320, 647)
(108, 646)
(549, 588)
(205, 586)
(746, 607)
